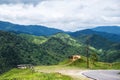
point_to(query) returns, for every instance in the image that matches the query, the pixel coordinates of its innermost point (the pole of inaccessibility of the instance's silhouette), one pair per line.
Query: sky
(67, 15)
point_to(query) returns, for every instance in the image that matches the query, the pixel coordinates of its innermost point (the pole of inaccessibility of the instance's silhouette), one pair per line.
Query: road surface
(103, 74)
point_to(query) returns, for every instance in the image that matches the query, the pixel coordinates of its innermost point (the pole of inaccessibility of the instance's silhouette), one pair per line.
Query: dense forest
(15, 49)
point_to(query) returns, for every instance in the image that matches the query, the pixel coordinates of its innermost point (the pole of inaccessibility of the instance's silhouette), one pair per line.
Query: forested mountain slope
(16, 50)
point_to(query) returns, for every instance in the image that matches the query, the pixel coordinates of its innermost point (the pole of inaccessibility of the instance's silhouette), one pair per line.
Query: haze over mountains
(41, 45)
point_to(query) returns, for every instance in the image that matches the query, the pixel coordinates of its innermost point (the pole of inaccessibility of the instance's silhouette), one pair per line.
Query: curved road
(103, 74)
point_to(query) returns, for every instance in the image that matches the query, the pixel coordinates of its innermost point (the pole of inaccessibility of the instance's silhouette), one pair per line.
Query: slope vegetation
(30, 75)
(16, 50)
(81, 63)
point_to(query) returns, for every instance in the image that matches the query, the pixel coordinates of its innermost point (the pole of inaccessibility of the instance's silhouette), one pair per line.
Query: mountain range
(107, 35)
(45, 31)
(28, 29)
(39, 45)
(97, 39)
(108, 29)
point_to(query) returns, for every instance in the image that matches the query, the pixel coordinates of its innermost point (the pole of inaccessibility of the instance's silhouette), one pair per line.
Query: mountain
(13, 50)
(99, 40)
(66, 39)
(56, 47)
(28, 29)
(17, 49)
(107, 44)
(108, 29)
(62, 45)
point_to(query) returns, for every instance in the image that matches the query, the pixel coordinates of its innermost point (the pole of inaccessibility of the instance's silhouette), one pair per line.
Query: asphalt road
(103, 74)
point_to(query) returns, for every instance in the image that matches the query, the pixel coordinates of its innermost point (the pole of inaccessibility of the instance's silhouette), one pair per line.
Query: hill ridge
(29, 29)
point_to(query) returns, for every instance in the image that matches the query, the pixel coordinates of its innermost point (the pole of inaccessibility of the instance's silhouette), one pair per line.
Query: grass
(26, 74)
(81, 63)
(63, 69)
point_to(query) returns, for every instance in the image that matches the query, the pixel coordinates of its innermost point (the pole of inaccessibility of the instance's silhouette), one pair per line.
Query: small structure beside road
(25, 66)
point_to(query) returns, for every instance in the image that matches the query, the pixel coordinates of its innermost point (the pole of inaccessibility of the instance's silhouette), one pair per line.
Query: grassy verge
(19, 74)
(97, 65)
(81, 63)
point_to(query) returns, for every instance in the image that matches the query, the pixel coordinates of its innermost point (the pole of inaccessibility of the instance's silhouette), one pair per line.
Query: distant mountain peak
(28, 29)
(108, 29)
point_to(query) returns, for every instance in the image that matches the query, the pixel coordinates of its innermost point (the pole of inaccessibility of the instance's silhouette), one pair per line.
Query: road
(82, 74)
(103, 74)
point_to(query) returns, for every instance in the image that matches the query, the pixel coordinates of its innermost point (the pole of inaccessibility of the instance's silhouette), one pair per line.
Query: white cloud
(69, 15)
(20, 1)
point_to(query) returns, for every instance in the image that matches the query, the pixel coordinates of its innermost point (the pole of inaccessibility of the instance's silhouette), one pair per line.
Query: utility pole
(87, 52)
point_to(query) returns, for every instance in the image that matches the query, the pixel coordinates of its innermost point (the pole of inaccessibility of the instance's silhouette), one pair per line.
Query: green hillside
(16, 50)
(59, 49)
(96, 41)
(81, 63)
(67, 39)
(107, 50)
(27, 74)
(34, 39)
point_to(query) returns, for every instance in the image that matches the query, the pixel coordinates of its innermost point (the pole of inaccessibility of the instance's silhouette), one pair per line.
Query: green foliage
(110, 51)
(29, 75)
(110, 56)
(67, 39)
(96, 41)
(94, 58)
(34, 39)
(16, 50)
(81, 63)
(59, 49)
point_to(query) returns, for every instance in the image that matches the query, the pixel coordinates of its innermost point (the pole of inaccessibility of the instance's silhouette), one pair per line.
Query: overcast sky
(68, 15)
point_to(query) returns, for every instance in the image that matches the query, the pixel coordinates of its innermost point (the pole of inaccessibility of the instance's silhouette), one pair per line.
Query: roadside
(103, 74)
(75, 73)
